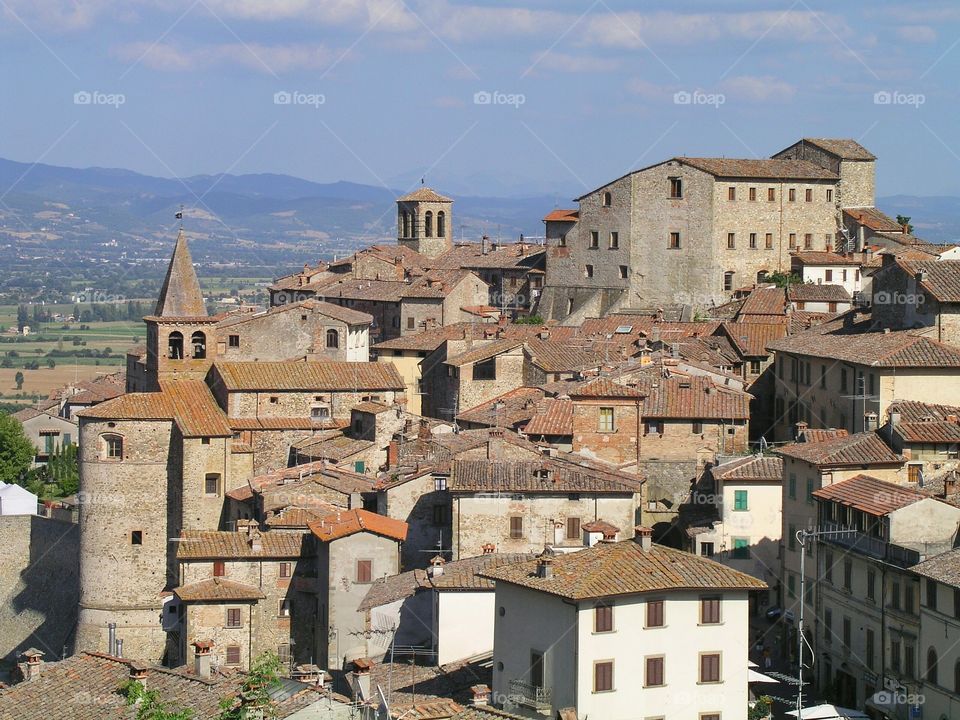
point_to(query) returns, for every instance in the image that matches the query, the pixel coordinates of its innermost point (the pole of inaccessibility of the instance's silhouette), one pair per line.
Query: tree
(18, 379)
(51, 363)
(253, 698)
(783, 279)
(905, 220)
(16, 450)
(23, 317)
(149, 705)
(761, 709)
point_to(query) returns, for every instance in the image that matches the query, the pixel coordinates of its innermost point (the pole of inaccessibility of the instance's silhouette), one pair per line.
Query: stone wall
(414, 502)
(617, 446)
(483, 518)
(39, 585)
(285, 335)
(858, 185)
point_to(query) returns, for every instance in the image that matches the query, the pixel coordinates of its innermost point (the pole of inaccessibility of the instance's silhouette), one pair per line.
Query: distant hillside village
(606, 475)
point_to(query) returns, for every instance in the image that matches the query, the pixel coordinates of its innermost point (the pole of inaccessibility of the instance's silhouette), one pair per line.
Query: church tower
(425, 222)
(181, 337)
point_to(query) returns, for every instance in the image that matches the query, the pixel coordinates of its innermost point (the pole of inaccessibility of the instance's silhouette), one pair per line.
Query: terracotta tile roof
(217, 590)
(294, 479)
(362, 289)
(555, 356)
(766, 169)
(562, 473)
(750, 339)
(765, 301)
(423, 194)
(507, 410)
(562, 216)
(605, 388)
(484, 713)
(861, 344)
(337, 448)
(800, 320)
(309, 376)
(810, 292)
(27, 413)
(624, 568)
(600, 526)
(866, 448)
(765, 468)
(373, 408)
(941, 277)
(462, 574)
(298, 517)
(693, 397)
(220, 544)
(914, 411)
(554, 416)
(288, 423)
(870, 495)
(330, 310)
(944, 568)
(84, 687)
(827, 259)
(436, 284)
(926, 423)
(90, 392)
(503, 256)
(180, 294)
(817, 435)
(483, 352)
(843, 148)
(189, 403)
(349, 522)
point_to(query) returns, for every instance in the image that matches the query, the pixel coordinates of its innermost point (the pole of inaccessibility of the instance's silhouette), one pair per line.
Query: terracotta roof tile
(765, 468)
(554, 416)
(309, 376)
(624, 568)
(750, 339)
(217, 590)
(219, 544)
(843, 148)
(483, 352)
(941, 278)
(810, 292)
(767, 169)
(944, 568)
(827, 259)
(870, 495)
(563, 473)
(331, 310)
(562, 216)
(866, 448)
(507, 410)
(605, 388)
(556, 356)
(765, 301)
(350, 522)
(423, 194)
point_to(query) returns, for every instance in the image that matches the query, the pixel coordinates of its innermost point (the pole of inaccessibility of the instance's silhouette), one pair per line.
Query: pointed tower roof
(180, 295)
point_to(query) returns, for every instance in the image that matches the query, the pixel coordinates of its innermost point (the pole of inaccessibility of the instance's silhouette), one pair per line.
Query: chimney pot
(644, 536)
(481, 695)
(202, 657)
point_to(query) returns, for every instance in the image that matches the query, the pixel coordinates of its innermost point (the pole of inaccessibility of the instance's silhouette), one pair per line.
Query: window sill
(603, 632)
(710, 682)
(716, 624)
(604, 692)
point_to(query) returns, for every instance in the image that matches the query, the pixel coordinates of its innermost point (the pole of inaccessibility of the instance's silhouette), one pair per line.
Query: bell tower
(425, 222)
(181, 336)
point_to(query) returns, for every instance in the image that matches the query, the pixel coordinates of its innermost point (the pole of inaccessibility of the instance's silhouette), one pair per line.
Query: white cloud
(758, 88)
(562, 62)
(917, 33)
(268, 59)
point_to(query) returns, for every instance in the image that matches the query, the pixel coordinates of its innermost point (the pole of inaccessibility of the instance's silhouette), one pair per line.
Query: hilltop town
(691, 453)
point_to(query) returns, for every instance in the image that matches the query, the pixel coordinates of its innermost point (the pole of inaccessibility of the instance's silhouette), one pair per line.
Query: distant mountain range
(299, 218)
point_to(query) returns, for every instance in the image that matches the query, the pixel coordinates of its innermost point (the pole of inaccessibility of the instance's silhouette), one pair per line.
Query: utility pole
(802, 536)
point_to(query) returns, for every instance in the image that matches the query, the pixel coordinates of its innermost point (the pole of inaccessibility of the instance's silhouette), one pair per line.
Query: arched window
(198, 342)
(333, 339)
(175, 345)
(441, 224)
(607, 199)
(428, 224)
(932, 665)
(111, 447)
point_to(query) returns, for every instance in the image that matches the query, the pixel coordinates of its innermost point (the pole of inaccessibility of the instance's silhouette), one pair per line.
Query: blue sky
(482, 97)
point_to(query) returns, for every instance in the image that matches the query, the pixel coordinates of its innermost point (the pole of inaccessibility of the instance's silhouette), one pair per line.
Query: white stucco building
(622, 630)
(828, 268)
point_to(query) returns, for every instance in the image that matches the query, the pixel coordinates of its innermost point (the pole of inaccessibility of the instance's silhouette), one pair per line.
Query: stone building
(49, 433)
(424, 222)
(245, 591)
(845, 373)
(693, 230)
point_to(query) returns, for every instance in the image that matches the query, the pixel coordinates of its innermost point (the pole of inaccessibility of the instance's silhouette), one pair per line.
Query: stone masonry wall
(39, 584)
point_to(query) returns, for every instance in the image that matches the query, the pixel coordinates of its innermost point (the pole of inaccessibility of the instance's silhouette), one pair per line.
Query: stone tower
(181, 340)
(425, 222)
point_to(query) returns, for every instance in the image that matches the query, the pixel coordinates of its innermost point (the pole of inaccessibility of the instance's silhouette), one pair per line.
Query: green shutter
(740, 500)
(359, 466)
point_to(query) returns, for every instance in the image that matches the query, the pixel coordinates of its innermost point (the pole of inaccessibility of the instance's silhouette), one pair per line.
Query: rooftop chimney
(202, 657)
(545, 566)
(644, 536)
(436, 566)
(489, 548)
(360, 679)
(905, 228)
(254, 538)
(481, 695)
(32, 666)
(309, 674)
(138, 673)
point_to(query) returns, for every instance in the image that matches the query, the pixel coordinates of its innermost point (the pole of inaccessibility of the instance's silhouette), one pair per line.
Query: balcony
(527, 694)
(871, 546)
